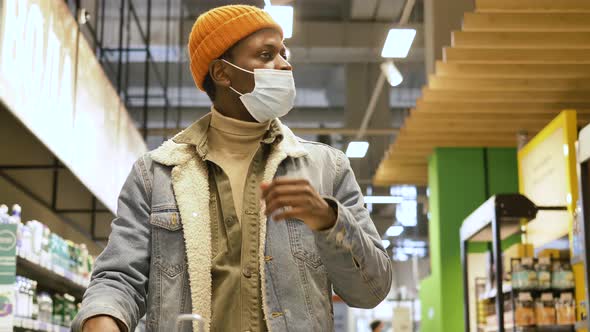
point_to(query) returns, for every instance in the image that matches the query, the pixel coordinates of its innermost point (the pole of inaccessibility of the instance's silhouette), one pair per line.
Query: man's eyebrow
(273, 46)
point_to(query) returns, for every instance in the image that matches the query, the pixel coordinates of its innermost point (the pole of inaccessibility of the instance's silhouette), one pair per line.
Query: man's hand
(299, 200)
(101, 323)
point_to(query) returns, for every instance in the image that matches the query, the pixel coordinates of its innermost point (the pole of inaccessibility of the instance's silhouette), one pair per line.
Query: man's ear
(218, 73)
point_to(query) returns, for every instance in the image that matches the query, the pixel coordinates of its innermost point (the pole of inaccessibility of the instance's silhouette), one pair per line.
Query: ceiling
(510, 70)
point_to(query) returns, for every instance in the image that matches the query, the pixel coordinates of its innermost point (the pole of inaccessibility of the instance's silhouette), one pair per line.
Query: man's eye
(266, 55)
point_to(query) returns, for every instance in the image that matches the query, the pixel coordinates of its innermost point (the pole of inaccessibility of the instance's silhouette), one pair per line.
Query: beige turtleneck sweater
(231, 145)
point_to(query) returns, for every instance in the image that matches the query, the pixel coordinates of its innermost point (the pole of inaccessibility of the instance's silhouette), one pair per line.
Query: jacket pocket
(302, 243)
(168, 242)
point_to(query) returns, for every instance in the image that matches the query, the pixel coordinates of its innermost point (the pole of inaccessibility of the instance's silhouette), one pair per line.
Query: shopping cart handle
(190, 317)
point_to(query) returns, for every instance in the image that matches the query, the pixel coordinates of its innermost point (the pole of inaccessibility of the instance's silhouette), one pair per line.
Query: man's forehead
(264, 37)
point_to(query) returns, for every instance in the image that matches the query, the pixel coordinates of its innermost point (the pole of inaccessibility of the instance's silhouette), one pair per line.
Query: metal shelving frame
(498, 218)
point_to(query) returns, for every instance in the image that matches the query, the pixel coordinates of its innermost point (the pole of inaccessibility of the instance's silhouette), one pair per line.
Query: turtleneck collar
(230, 126)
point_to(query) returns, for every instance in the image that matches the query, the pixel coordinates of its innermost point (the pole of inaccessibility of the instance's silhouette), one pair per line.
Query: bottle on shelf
(4, 216)
(34, 300)
(58, 309)
(45, 308)
(15, 216)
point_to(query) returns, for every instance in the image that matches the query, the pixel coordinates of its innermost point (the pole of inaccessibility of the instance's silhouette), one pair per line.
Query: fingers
(283, 201)
(294, 213)
(288, 190)
(281, 182)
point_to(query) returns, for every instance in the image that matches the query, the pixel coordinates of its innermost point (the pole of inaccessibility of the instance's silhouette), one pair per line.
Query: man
(235, 218)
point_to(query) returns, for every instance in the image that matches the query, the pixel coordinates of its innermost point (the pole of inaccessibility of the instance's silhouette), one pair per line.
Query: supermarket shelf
(51, 277)
(555, 328)
(487, 328)
(510, 207)
(35, 325)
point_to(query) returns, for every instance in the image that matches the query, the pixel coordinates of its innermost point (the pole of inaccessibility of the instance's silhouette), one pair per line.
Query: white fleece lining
(191, 189)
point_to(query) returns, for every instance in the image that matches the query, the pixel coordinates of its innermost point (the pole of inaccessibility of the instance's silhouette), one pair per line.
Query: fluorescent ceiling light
(383, 199)
(357, 149)
(385, 243)
(283, 15)
(395, 230)
(398, 43)
(394, 77)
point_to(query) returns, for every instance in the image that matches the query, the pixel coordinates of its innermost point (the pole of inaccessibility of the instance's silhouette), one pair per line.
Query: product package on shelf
(543, 269)
(566, 309)
(545, 310)
(524, 314)
(562, 276)
(554, 276)
(37, 244)
(524, 275)
(34, 307)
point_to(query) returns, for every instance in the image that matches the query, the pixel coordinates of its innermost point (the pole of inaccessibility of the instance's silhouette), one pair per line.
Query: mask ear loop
(237, 67)
(240, 68)
(236, 91)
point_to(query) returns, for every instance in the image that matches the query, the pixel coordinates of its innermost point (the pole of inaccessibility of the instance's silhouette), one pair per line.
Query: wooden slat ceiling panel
(508, 70)
(436, 82)
(500, 107)
(515, 96)
(533, 40)
(514, 67)
(532, 5)
(530, 21)
(517, 55)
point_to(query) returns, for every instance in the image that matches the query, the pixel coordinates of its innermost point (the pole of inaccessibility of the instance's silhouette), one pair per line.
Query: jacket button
(247, 273)
(229, 220)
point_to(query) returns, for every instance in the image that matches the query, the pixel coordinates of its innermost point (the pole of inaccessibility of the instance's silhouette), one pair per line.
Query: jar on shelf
(562, 276)
(566, 309)
(524, 275)
(524, 314)
(545, 310)
(544, 273)
(45, 307)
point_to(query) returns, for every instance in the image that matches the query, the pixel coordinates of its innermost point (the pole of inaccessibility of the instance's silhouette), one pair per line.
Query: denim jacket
(158, 258)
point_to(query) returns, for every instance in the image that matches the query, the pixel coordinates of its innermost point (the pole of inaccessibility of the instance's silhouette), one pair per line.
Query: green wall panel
(458, 183)
(502, 170)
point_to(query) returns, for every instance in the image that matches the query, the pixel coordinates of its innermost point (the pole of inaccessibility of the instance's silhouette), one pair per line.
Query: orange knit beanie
(217, 30)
